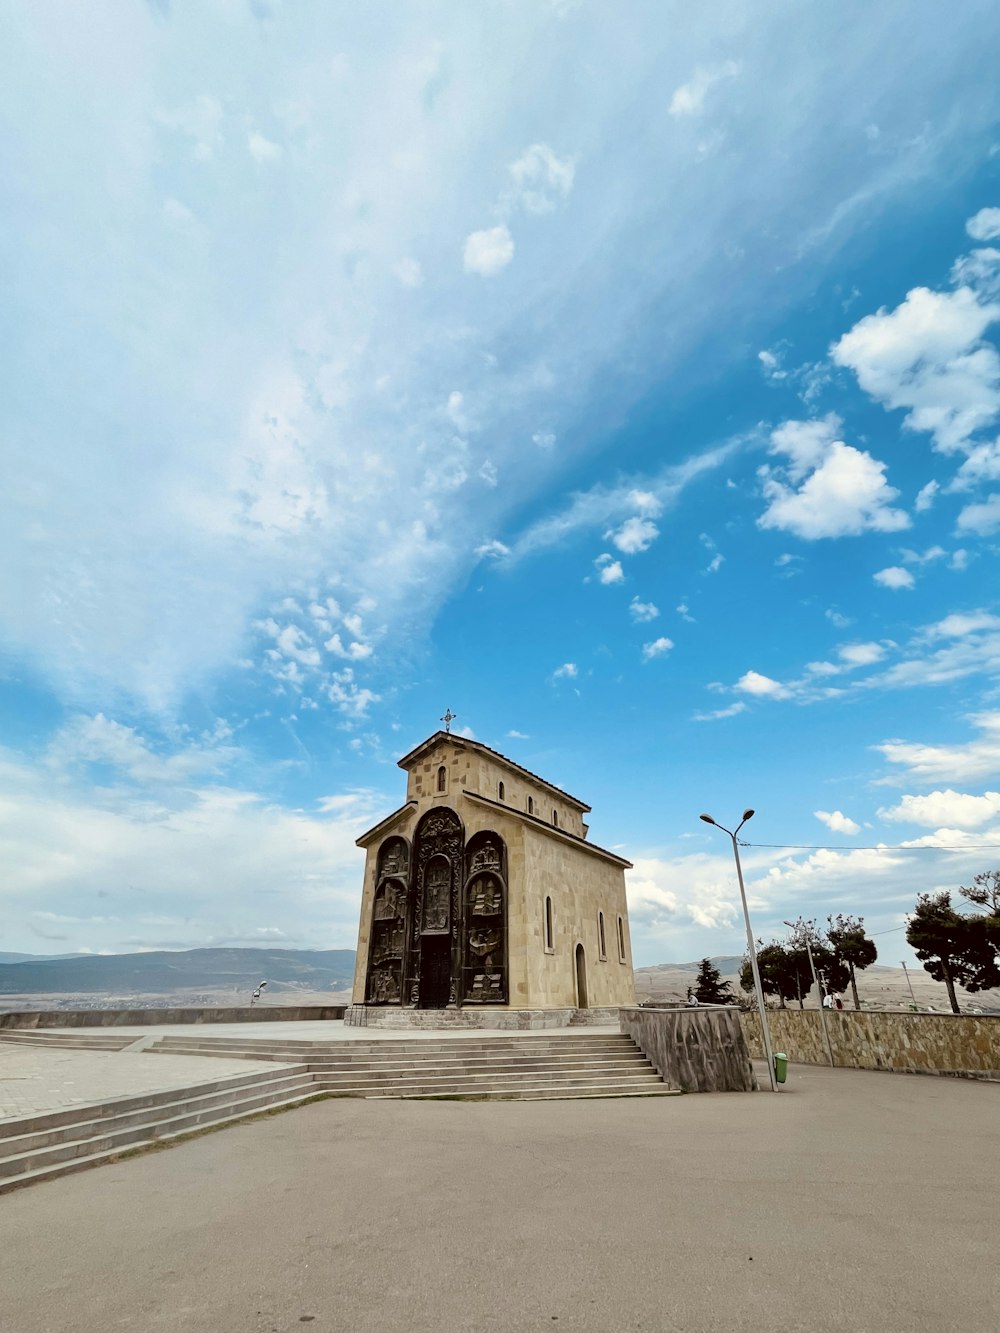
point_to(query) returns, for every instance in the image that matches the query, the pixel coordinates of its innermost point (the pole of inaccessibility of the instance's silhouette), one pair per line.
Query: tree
(709, 988)
(851, 946)
(776, 975)
(953, 946)
(830, 969)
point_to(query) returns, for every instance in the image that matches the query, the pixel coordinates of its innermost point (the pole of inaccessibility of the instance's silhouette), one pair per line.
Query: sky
(623, 379)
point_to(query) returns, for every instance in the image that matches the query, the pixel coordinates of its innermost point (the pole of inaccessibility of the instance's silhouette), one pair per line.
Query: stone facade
(696, 1050)
(482, 890)
(914, 1043)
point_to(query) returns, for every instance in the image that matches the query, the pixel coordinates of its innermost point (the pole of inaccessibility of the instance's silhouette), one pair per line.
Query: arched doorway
(581, 978)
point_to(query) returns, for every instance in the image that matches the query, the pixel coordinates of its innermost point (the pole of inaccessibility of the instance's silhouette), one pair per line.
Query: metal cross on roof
(448, 719)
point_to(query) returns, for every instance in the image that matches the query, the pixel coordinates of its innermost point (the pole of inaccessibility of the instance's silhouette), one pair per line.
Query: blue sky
(625, 381)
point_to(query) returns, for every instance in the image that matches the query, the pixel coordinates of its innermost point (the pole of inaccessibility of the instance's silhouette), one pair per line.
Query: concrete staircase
(65, 1040)
(526, 1067)
(54, 1143)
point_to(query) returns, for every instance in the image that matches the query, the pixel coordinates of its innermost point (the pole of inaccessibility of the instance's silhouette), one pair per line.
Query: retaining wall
(696, 1050)
(918, 1043)
(111, 1018)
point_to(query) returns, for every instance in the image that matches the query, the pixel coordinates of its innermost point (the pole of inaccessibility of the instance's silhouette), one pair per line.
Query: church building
(483, 891)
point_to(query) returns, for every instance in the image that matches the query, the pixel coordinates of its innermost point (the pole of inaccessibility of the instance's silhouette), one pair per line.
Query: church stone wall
(473, 771)
(580, 885)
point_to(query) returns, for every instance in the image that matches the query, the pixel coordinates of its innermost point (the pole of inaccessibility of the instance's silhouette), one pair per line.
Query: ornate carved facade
(439, 918)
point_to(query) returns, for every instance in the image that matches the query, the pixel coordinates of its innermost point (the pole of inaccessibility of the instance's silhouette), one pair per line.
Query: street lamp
(906, 974)
(761, 1007)
(819, 988)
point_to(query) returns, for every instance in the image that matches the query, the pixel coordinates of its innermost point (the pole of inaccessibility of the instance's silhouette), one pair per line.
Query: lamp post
(761, 1007)
(909, 983)
(819, 989)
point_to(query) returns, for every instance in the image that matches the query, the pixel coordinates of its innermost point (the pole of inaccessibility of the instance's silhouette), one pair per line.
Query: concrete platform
(850, 1201)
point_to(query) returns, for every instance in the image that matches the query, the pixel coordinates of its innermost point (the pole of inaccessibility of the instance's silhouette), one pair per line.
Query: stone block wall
(921, 1043)
(696, 1050)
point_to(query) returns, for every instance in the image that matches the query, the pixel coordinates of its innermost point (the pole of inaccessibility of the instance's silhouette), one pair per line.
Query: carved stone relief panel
(484, 944)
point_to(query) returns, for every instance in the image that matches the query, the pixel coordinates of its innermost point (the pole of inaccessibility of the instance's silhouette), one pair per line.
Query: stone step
(363, 1087)
(72, 1114)
(67, 1040)
(624, 1068)
(398, 1060)
(357, 1050)
(53, 1170)
(106, 1118)
(179, 1117)
(540, 1094)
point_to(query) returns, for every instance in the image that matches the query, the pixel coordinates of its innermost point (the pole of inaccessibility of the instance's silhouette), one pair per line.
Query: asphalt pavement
(851, 1202)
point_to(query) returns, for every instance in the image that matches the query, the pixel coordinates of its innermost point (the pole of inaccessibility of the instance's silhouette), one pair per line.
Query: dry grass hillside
(878, 988)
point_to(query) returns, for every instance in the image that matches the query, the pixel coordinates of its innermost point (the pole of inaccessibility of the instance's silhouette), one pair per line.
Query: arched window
(555, 818)
(621, 941)
(442, 778)
(531, 806)
(500, 790)
(602, 952)
(549, 946)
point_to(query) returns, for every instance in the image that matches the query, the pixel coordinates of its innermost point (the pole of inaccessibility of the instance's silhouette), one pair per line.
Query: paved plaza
(852, 1202)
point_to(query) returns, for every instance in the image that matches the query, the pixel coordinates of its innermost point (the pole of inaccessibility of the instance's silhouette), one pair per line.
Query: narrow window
(555, 818)
(600, 935)
(500, 790)
(621, 940)
(531, 806)
(442, 777)
(549, 946)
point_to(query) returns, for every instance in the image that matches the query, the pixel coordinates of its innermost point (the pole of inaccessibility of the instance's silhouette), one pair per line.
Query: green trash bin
(780, 1066)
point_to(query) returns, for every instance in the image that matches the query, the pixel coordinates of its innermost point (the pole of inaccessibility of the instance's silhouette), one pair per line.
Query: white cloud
(689, 98)
(493, 549)
(846, 495)
(641, 612)
(634, 535)
(837, 618)
(770, 363)
(927, 356)
(656, 649)
(954, 809)
(409, 272)
(540, 179)
(979, 270)
(984, 225)
(488, 473)
(487, 252)
(732, 711)
(716, 563)
(762, 687)
(609, 569)
(567, 671)
(201, 121)
(926, 496)
(261, 149)
(895, 577)
(837, 822)
(122, 864)
(976, 759)
(806, 444)
(861, 654)
(982, 519)
(518, 735)
(543, 438)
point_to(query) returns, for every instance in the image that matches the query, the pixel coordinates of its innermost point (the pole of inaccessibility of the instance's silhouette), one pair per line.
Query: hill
(206, 971)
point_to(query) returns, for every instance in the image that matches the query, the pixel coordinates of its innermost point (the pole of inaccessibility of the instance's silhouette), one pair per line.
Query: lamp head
(707, 818)
(747, 814)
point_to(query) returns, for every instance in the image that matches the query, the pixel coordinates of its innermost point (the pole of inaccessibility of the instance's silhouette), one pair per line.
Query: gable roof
(462, 742)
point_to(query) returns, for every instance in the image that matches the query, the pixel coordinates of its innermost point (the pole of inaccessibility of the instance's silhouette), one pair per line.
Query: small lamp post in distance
(822, 1010)
(761, 1007)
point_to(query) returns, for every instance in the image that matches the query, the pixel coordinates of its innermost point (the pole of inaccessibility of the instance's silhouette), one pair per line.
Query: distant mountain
(728, 965)
(34, 957)
(160, 973)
